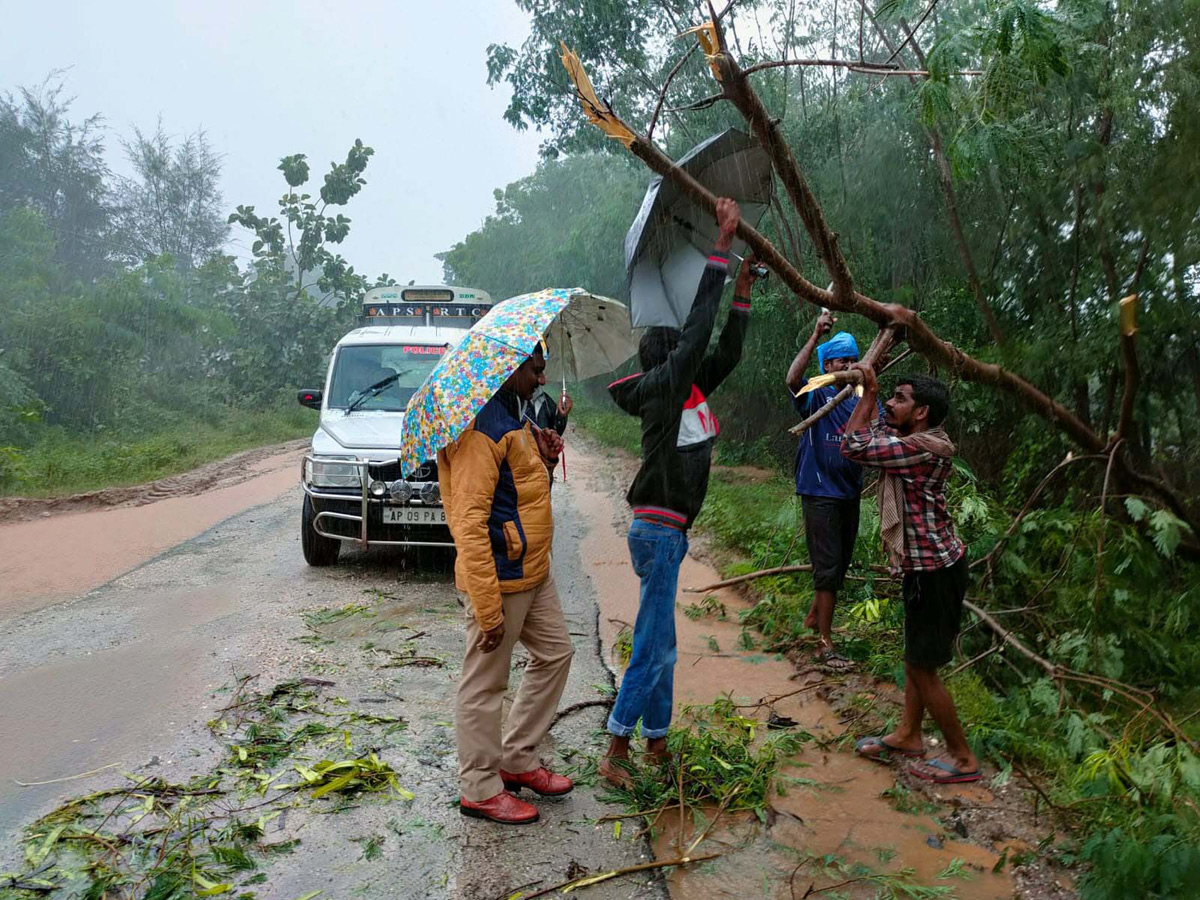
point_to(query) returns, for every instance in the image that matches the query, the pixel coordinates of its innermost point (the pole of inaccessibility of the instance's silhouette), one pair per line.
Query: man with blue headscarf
(829, 485)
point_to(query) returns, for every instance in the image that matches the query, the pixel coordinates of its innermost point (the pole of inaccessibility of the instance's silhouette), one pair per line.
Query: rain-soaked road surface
(129, 673)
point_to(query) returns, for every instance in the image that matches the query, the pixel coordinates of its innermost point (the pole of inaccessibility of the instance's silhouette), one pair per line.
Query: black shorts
(830, 530)
(933, 603)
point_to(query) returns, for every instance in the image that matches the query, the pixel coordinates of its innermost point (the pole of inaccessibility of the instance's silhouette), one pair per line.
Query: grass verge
(1123, 792)
(58, 464)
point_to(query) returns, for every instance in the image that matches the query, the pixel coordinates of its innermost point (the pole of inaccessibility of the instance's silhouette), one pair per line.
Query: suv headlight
(332, 473)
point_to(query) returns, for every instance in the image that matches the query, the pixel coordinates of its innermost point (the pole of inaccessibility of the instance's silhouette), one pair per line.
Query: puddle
(842, 814)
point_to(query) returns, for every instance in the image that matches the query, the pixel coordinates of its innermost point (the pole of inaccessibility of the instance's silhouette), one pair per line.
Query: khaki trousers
(535, 619)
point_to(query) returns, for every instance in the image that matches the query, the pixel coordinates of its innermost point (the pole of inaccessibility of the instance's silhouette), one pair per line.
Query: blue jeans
(647, 690)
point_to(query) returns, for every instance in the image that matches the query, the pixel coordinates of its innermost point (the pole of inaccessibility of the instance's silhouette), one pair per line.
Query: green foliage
(112, 375)
(57, 463)
(548, 229)
(722, 759)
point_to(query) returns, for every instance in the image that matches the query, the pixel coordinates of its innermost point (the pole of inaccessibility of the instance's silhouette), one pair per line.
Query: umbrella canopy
(591, 336)
(668, 243)
(469, 375)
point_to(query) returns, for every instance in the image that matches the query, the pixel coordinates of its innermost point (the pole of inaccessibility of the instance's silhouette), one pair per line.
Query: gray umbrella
(668, 243)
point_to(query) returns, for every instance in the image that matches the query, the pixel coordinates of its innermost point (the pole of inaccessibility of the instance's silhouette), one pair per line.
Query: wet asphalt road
(129, 674)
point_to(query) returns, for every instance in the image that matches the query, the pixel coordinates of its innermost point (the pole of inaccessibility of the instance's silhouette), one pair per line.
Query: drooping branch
(843, 297)
(853, 65)
(662, 94)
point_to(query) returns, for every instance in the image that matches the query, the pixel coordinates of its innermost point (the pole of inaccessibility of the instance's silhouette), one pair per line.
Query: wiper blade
(372, 391)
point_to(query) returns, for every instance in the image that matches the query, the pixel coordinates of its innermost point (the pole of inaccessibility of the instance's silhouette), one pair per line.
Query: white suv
(353, 492)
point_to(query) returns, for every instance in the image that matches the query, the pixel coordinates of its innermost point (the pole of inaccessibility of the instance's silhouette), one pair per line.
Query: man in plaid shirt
(913, 453)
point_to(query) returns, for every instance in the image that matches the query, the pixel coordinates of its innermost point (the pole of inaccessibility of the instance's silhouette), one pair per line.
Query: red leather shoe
(503, 808)
(541, 781)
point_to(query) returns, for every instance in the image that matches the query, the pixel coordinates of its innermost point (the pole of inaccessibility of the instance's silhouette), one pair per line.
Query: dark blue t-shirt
(821, 470)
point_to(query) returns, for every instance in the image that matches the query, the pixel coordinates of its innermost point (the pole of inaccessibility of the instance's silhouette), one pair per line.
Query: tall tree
(57, 167)
(173, 203)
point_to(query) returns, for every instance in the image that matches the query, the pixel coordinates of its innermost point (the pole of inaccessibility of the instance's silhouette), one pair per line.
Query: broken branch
(863, 68)
(879, 348)
(588, 880)
(764, 573)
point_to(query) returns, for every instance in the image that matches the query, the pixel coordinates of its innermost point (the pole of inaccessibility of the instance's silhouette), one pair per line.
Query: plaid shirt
(930, 541)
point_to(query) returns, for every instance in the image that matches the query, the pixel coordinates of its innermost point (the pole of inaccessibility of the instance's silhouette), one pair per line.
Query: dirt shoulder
(59, 549)
(988, 833)
(225, 472)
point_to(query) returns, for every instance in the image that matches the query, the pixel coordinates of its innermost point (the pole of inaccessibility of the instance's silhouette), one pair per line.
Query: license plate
(414, 515)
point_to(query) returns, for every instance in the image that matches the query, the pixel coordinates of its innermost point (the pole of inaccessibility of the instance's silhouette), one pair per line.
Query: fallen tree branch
(829, 406)
(843, 297)
(879, 348)
(771, 701)
(991, 555)
(576, 707)
(1144, 700)
(764, 573)
(589, 880)
(853, 65)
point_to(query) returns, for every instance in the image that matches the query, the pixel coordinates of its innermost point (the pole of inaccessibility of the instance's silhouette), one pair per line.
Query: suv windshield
(359, 367)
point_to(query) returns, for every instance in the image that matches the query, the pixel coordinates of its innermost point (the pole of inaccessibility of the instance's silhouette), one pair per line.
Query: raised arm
(795, 373)
(720, 362)
(681, 367)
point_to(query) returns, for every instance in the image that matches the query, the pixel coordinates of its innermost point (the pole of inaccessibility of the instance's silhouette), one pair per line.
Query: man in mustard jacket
(496, 489)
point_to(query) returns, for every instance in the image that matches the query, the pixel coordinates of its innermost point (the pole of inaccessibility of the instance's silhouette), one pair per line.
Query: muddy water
(841, 814)
(53, 558)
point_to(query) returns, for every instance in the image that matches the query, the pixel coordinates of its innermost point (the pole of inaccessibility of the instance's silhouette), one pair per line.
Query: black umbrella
(668, 243)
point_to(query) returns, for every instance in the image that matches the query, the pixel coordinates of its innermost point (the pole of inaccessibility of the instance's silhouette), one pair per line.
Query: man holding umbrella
(678, 431)
(496, 489)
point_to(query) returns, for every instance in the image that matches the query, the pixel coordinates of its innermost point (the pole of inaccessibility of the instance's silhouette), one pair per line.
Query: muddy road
(128, 673)
(123, 674)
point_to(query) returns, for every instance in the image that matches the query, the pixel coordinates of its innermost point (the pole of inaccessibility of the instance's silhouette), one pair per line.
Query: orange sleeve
(474, 473)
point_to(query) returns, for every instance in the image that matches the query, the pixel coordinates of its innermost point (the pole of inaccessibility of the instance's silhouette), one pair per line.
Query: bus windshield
(358, 367)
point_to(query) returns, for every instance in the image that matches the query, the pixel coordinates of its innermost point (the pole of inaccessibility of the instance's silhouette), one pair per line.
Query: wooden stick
(879, 347)
(777, 570)
(589, 880)
(826, 409)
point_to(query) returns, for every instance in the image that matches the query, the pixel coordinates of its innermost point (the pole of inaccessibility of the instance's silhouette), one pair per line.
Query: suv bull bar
(364, 478)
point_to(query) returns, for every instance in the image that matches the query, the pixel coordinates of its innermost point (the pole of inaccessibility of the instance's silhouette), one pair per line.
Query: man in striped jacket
(678, 431)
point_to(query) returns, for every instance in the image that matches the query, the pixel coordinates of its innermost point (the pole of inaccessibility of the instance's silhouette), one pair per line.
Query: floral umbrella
(469, 375)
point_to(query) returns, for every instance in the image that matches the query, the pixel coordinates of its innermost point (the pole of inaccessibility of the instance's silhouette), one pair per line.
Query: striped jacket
(678, 427)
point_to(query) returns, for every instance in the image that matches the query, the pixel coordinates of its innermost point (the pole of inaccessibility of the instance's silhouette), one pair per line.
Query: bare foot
(615, 770)
(656, 751)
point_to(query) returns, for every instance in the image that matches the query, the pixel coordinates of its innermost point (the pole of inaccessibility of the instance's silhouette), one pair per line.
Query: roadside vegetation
(132, 346)
(1105, 740)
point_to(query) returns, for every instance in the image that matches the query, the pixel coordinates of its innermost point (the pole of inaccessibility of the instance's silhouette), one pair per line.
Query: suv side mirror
(311, 399)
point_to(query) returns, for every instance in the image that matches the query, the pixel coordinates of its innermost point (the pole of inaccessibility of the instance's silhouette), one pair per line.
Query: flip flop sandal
(833, 661)
(954, 775)
(864, 746)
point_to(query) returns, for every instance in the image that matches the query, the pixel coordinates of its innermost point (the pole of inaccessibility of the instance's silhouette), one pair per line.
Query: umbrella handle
(563, 458)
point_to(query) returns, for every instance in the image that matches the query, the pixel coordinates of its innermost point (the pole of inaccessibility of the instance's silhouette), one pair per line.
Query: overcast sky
(270, 78)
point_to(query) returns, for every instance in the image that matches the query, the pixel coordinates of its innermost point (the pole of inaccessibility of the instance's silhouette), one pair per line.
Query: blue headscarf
(840, 346)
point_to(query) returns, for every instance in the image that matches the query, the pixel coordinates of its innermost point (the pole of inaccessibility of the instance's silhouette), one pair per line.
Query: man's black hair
(928, 391)
(656, 345)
